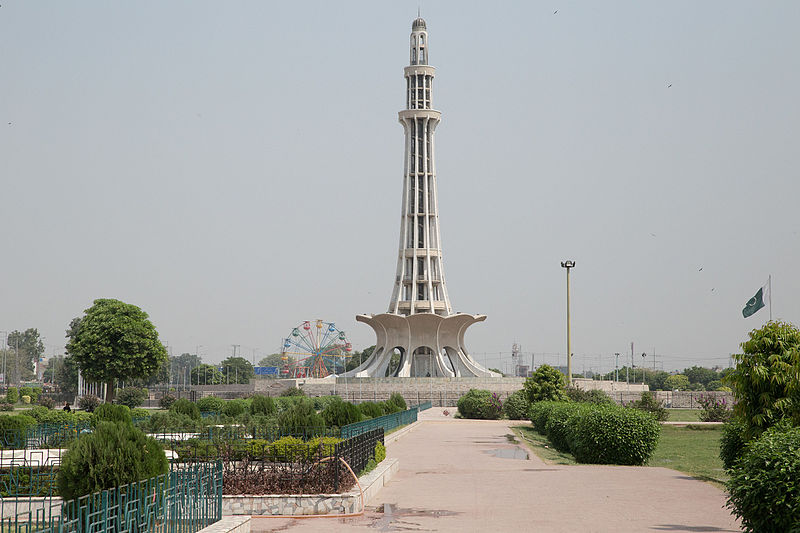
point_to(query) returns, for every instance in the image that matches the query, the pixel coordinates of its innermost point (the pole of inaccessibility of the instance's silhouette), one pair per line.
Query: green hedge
(615, 435)
(764, 486)
(597, 433)
(731, 444)
(538, 414)
(562, 425)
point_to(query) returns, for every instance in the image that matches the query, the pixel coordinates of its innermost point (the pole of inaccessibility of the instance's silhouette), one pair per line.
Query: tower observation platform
(420, 323)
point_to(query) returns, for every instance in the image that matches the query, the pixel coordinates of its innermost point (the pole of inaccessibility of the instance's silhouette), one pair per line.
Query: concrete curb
(229, 524)
(388, 439)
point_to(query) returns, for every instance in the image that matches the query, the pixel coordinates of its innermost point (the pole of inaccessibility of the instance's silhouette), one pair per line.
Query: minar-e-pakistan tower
(420, 323)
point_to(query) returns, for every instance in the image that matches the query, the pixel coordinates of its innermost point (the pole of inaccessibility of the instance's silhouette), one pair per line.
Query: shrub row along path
(449, 480)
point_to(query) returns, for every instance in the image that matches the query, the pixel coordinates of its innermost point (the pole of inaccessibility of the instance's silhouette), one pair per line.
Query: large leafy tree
(677, 382)
(27, 347)
(236, 370)
(766, 380)
(115, 341)
(701, 375)
(206, 375)
(63, 371)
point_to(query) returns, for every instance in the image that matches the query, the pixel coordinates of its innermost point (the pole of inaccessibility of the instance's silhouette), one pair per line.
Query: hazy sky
(235, 168)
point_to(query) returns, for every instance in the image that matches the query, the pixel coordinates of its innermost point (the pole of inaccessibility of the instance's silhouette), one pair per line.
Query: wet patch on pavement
(399, 519)
(509, 453)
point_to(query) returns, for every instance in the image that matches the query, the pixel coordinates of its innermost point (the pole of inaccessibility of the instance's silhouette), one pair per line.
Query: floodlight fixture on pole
(644, 354)
(568, 265)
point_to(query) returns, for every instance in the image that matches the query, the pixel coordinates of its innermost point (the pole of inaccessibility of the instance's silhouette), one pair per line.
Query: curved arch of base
(416, 338)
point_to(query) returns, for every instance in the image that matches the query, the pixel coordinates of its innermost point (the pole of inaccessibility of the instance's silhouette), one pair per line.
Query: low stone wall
(311, 504)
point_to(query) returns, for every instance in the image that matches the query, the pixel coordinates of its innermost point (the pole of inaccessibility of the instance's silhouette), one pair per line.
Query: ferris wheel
(319, 347)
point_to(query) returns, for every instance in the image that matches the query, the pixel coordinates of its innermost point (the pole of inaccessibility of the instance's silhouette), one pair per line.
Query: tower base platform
(430, 345)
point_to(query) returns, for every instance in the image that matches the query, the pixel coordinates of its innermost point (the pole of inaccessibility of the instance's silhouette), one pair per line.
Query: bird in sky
(700, 269)
(555, 12)
(668, 86)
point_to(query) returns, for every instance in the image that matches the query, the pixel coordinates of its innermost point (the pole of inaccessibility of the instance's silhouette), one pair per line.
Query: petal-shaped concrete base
(430, 344)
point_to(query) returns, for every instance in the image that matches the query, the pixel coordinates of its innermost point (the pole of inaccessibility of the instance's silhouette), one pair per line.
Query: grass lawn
(693, 450)
(541, 446)
(684, 415)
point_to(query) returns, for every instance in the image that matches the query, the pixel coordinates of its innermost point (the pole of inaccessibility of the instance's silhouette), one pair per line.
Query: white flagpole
(769, 283)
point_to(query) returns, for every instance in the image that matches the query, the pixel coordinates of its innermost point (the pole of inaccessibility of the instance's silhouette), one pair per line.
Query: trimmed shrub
(615, 435)
(172, 421)
(538, 414)
(141, 412)
(562, 424)
(43, 415)
(16, 422)
(516, 405)
(397, 399)
(88, 402)
(262, 405)
(211, 404)
(589, 396)
(545, 384)
(235, 408)
(26, 399)
(293, 391)
(479, 403)
(12, 395)
(649, 404)
(109, 412)
(6, 407)
(299, 416)
(166, 401)
(325, 446)
(114, 454)
(46, 401)
(763, 486)
(380, 452)
(338, 414)
(371, 409)
(186, 408)
(287, 449)
(132, 397)
(731, 444)
(26, 391)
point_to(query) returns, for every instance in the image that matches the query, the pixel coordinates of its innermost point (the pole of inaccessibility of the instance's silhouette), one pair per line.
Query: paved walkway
(451, 480)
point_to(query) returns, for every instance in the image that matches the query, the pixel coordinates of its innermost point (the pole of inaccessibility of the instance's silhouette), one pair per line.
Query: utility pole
(616, 366)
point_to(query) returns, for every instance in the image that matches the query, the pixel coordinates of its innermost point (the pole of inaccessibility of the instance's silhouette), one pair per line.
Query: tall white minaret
(419, 286)
(420, 324)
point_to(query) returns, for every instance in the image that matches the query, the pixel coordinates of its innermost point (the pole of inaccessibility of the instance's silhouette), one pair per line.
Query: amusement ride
(319, 347)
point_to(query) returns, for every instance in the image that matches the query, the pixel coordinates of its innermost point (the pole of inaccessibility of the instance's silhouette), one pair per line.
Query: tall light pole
(568, 265)
(616, 367)
(644, 354)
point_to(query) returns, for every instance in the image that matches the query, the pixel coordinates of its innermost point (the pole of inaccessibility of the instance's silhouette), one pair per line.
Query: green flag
(756, 302)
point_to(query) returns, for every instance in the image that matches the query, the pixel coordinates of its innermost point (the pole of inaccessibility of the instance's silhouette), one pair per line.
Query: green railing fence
(387, 422)
(425, 405)
(185, 500)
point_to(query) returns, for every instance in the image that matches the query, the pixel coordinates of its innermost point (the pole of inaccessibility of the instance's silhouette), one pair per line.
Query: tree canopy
(766, 380)
(236, 370)
(206, 375)
(26, 348)
(115, 341)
